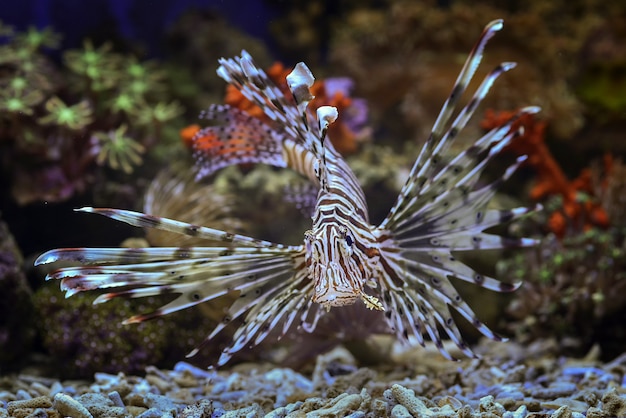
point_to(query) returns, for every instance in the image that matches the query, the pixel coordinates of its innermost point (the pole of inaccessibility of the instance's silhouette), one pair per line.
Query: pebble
(562, 412)
(70, 407)
(201, 409)
(488, 404)
(283, 411)
(513, 394)
(197, 372)
(22, 394)
(400, 411)
(38, 402)
(520, 412)
(614, 403)
(253, 411)
(116, 399)
(572, 404)
(56, 387)
(406, 397)
(338, 406)
(556, 390)
(161, 384)
(150, 413)
(41, 389)
(451, 401)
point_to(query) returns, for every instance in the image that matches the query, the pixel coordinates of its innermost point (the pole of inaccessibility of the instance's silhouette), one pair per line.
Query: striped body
(402, 266)
(340, 247)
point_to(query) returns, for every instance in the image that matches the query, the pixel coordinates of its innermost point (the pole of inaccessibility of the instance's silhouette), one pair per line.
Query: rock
(400, 411)
(16, 307)
(614, 404)
(70, 407)
(407, 398)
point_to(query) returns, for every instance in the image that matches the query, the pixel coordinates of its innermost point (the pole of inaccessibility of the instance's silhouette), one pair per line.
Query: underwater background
(99, 101)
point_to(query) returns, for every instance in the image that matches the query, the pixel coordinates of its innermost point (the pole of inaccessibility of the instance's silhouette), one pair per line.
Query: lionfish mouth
(334, 300)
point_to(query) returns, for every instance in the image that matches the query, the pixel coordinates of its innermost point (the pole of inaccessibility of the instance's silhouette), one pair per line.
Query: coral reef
(88, 339)
(575, 284)
(574, 281)
(60, 123)
(574, 290)
(90, 116)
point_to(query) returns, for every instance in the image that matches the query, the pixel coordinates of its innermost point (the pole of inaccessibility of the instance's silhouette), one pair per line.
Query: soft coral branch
(551, 180)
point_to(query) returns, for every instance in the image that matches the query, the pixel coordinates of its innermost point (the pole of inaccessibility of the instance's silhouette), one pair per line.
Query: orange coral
(188, 133)
(342, 137)
(551, 180)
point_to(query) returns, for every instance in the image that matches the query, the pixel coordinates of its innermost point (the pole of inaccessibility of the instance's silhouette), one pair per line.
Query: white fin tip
(300, 75)
(495, 25)
(326, 115)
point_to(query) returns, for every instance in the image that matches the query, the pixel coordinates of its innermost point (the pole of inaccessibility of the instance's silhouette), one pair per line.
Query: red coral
(551, 180)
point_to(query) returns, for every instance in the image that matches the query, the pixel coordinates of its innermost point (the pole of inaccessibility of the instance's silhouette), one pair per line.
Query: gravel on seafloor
(509, 381)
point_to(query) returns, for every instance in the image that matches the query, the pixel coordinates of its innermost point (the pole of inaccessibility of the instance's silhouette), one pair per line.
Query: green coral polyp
(20, 101)
(119, 151)
(123, 103)
(138, 87)
(18, 83)
(16, 105)
(73, 117)
(35, 39)
(137, 70)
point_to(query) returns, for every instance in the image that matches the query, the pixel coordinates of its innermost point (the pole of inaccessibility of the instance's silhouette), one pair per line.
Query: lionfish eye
(349, 240)
(346, 235)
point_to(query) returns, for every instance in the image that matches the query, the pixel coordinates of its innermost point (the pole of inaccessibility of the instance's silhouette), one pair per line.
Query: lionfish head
(336, 264)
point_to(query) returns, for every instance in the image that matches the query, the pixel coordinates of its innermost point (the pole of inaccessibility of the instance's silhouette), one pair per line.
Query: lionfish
(401, 267)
